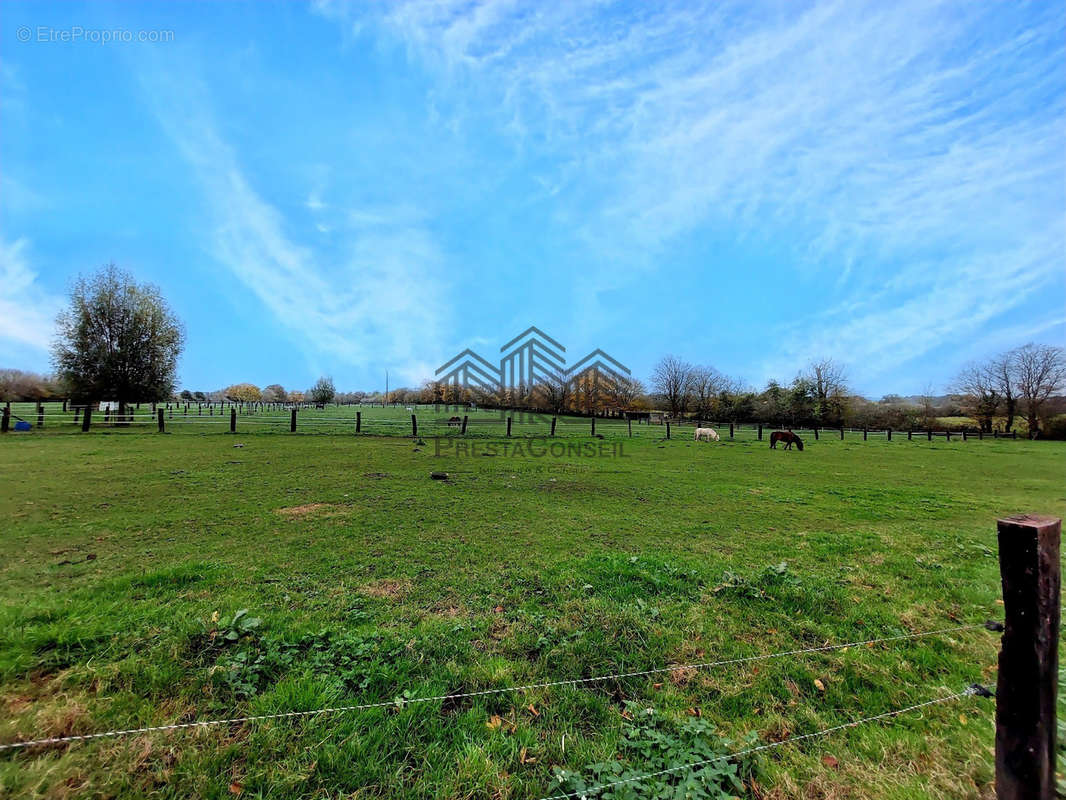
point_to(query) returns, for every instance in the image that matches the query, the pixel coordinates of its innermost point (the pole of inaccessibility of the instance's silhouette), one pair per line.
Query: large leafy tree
(118, 340)
(323, 391)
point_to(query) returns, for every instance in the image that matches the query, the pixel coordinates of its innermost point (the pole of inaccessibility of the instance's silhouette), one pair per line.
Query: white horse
(705, 434)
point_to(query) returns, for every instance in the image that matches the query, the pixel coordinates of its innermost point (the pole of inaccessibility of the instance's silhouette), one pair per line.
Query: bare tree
(1001, 369)
(704, 385)
(977, 390)
(829, 387)
(555, 391)
(1040, 371)
(928, 407)
(622, 392)
(275, 393)
(672, 379)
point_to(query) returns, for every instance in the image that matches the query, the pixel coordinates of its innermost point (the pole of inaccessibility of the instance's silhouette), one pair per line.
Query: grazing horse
(788, 437)
(706, 434)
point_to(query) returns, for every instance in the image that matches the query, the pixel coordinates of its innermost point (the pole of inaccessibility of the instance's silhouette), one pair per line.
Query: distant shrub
(1054, 428)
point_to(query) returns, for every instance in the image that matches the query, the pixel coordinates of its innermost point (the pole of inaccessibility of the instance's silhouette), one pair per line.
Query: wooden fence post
(910, 434)
(1027, 685)
(159, 419)
(508, 426)
(232, 420)
(463, 429)
(947, 435)
(629, 422)
(760, 431)
(730, 430)
(40, 415)
(85, 420)
(414, 425)
(5, 420)
(553, 426)
(865, 432)
(964, 434)
(889, 432)
(77, 414)
(980, 434)
(929, 434)
(841, 433)
(667, 430)
(358, 421)
(292, 422)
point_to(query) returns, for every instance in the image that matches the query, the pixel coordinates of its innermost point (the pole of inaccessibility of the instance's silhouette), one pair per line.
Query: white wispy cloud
(909, 155)
(372, 298)
(27, 310)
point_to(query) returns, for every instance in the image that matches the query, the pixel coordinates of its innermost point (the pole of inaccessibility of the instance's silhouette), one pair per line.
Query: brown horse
(788, 437)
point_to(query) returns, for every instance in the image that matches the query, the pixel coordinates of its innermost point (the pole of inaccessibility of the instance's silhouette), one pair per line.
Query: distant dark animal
(788, 437)
(454, 422)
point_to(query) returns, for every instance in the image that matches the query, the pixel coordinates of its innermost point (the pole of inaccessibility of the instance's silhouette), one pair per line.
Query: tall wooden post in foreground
(1028, 662)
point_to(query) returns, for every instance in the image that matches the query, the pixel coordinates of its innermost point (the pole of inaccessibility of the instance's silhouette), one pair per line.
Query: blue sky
(340, 188)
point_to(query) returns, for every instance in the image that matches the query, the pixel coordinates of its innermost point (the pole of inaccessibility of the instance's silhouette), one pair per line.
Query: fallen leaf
(533, 711)
(236, 788)
(830, 762)
(494, 722)
(819, 685)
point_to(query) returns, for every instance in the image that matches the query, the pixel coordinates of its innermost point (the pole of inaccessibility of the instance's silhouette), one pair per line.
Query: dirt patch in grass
(315, 510)
(295, 512)
(388, 588)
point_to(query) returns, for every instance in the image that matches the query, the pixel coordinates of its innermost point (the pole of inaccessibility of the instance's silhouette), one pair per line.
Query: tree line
(119, 340)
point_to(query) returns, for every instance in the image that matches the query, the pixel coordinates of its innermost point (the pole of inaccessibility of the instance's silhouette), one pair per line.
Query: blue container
(22, 425)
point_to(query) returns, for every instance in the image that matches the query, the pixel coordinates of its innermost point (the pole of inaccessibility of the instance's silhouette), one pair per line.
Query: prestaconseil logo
(530, 358)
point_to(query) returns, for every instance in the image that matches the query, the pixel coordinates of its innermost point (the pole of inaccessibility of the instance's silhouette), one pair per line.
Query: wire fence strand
(55, 740)
(584, 793)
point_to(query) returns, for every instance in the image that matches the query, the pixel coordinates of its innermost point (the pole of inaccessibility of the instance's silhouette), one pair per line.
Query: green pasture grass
(127, 555)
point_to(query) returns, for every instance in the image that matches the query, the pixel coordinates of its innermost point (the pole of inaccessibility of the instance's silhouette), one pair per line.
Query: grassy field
(127, 555)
